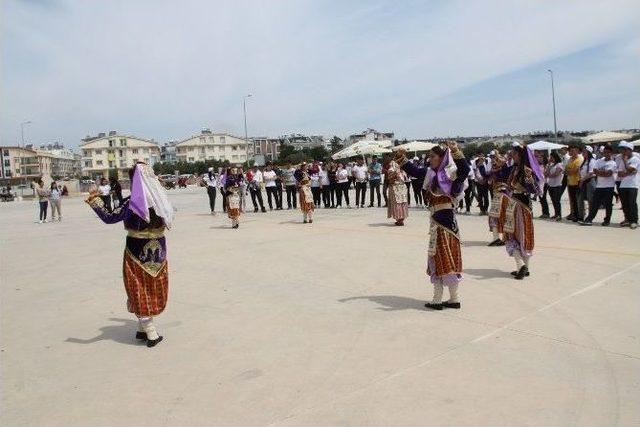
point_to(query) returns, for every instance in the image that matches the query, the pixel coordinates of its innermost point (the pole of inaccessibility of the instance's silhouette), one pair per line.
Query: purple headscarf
(445, 174)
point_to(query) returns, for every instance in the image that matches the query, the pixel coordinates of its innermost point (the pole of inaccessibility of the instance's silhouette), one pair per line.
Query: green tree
(336, 144)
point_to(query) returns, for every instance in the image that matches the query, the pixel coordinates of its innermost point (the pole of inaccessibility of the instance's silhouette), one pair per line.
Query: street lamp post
(246, 136)
(553, 99)
(27, 122)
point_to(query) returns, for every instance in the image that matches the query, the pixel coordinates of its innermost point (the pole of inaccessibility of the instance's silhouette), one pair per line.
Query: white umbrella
(545, 146)
(362, 148)
(605, 136)
(416, 146)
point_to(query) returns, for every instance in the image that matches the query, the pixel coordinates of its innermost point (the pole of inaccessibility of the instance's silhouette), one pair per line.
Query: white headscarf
(147, 192)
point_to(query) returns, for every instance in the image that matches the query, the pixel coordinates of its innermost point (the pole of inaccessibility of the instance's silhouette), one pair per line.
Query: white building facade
(116, 152)
(208, 145)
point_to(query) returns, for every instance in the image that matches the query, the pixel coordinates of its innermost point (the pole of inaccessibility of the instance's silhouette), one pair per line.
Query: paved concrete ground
(284, 324)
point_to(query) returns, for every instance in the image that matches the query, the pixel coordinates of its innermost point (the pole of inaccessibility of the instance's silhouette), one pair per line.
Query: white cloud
(163, 70)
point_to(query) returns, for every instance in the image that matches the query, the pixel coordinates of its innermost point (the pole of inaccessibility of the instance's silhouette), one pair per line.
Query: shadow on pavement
(382, 224)
(390, 302)
(471, 243)
(123, 333)
(486, 273)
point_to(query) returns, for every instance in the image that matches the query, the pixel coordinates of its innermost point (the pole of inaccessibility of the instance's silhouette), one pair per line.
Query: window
(112, 143)
(5, 152)
(7, 162)
(234, 148)
(123, 142)
(111, 164)
(87, 163)
(134, 151)
(191, 159)
(99, 163)
(98, 151)
(120, 153)
(222, 140)
(258, 149)
(145, 151)
(202, 140)
(123, 163)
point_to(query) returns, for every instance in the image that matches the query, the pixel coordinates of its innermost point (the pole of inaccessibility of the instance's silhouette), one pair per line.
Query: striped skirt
(146, 293)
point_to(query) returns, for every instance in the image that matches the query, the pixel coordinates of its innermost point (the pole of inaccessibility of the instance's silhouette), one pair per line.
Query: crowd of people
(590, 179)
(49, 196)
(505, 186)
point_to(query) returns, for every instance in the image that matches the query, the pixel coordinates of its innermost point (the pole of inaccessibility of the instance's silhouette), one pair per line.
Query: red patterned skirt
(146, 293)
(306, 200)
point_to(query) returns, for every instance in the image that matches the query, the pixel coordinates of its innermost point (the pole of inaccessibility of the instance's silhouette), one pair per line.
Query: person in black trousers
(482, 185)
(279, 188)
(290, 185)
(375, 176)
(543, 160)
(628, 166)
(604, 170)
(211, 181)
(332, 184)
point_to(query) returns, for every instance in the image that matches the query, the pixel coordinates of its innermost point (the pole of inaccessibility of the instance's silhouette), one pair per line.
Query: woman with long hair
(587, 181)
(307, 205)
(55, 198)
(43, 199)
(443, 186)
(145, 214)
(497, 178)
(554, 174)
(397, 206)
(233, 187)
(525, 180)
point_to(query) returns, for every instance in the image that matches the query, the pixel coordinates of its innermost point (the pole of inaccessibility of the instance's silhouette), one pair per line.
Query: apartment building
(20, 164)
(116, 152)
(208, 145)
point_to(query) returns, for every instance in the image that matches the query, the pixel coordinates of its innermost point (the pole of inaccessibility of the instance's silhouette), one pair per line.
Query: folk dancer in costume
(304, 191)
(397, 205)
(443, 187)
(234, 185)
(526, 178)
(497, 180)
(146, 215)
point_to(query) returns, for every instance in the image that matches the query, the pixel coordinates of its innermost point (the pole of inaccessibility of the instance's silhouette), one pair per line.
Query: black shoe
(152, 343)
(588, 223)
(447, 304)
(370, 206)
(434, 306)
(310, 221)
(255, 210)
(236, 226)
(515, 273)
(305, 221)
(605, 224)
(522, 273)
(496, 242)
(263, 210)
(141, 335)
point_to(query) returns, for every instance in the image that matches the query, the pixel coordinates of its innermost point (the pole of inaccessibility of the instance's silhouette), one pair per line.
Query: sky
(165, 69)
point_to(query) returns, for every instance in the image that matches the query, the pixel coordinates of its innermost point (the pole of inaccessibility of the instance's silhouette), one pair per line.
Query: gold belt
(441, 207)
(152, 233)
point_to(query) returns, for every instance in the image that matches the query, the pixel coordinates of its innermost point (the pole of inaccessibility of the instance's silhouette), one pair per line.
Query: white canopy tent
(545, 146)
(416, 146)
(364, 148)
(605, 136)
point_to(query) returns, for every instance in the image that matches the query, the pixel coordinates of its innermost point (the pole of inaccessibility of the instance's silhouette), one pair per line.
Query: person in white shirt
(256, 180)
(628, 173)
(555, 174)
(587, 181)
(104, 191)
(342, 180)
(269, 176)
(605, 171)
(359, 173)
(55, 199)
(325, 186)
(314, 182)
(290, 185)
(211, 180)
